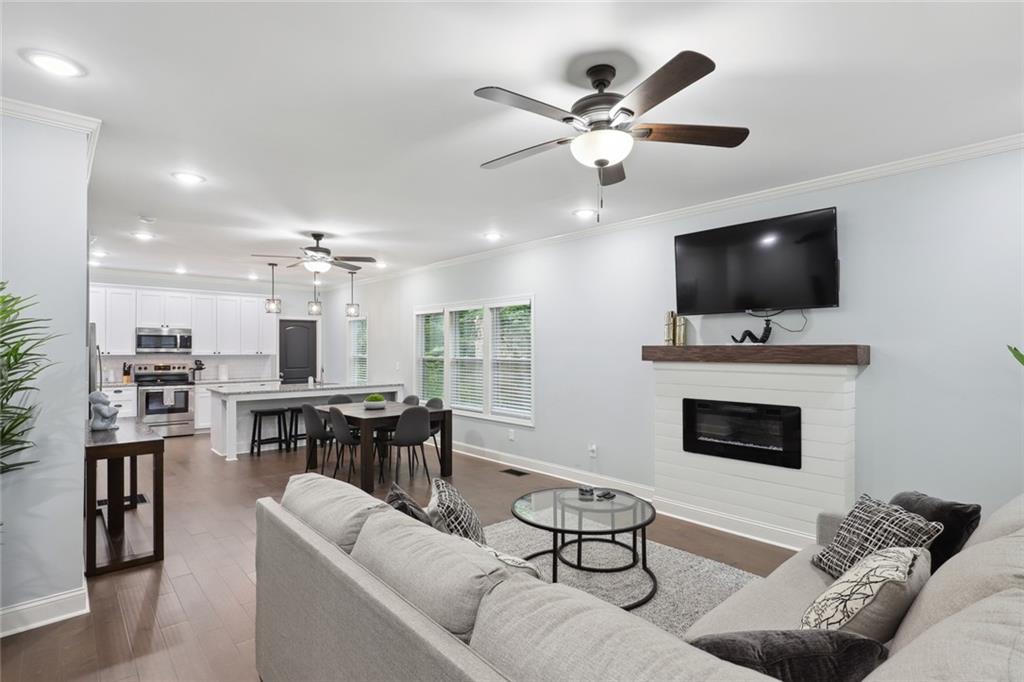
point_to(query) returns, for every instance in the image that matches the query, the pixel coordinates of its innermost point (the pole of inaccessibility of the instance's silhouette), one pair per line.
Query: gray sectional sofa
(350, 589)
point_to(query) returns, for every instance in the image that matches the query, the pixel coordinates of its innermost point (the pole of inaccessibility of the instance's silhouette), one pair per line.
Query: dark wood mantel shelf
(843, 354)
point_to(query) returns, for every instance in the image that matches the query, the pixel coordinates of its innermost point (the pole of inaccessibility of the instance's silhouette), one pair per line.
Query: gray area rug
(688, 585)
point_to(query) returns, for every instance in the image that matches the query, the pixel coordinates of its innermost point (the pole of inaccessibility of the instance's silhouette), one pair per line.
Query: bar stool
(257, 440)
(294, 420)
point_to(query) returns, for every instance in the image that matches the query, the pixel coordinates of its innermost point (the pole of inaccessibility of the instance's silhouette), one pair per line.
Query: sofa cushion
(332, 508)
(777, 602)
(967, 578)
(870, 526)
(1003, 521)
(798, 655)
(445, 576)
(871, 598)
(982, 642)
(958, 521)
(538, 632)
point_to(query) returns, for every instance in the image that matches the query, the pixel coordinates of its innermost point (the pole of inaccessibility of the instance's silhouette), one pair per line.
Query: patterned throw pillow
(870, 526)
(449, 512)
(403, 502)
(872, 597)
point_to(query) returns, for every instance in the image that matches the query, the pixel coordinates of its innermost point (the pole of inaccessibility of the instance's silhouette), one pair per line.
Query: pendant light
(314, 307)
(272, 304)
(352, 309)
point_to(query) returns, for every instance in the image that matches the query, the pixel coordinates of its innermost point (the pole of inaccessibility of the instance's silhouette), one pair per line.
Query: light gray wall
(44, 254)
(931, 279)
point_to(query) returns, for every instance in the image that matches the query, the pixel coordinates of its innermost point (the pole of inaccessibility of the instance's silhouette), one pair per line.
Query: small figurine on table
(104, 417)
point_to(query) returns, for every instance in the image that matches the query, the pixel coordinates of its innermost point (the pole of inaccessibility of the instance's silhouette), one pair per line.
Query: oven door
(166, 405)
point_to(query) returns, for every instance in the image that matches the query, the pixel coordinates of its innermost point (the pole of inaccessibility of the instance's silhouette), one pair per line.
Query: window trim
(487, 304)
(351, 354)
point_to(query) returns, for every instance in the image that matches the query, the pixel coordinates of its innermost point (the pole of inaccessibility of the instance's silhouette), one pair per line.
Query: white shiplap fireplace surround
(771, 503)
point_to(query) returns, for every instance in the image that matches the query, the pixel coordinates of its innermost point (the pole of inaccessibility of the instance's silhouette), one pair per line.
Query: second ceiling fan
(606, 122)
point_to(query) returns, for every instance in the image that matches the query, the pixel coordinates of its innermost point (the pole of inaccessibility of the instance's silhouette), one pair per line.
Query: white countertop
(300, 390)
(252, 380)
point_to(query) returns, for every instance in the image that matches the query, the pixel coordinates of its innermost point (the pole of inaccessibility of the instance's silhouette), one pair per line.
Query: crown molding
(941, 158)
(60, 119)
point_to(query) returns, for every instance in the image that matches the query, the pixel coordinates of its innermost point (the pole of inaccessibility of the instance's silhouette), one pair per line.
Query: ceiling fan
(606, 122)
(318, 258)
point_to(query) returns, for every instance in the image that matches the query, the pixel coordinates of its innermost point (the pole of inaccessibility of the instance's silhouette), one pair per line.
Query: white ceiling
(359, 120)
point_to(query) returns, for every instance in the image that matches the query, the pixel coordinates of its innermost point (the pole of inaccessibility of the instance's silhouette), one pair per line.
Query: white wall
(931, 279)
(44, 254)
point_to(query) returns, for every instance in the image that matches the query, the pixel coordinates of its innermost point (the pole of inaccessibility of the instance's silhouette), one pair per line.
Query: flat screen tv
(775, 264)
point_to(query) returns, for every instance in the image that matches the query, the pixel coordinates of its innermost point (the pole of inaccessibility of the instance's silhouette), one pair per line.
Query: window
(357, 351)
(478, 358)
(430, 355)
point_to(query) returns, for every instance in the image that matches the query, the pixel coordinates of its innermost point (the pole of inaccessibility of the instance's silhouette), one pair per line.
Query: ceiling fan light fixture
(601, 148)
(317, 265)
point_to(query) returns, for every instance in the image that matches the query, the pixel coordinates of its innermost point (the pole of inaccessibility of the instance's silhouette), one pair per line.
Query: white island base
(231, 424)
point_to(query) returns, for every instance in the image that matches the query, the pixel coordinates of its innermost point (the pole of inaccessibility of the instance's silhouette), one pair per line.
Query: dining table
(370, 422)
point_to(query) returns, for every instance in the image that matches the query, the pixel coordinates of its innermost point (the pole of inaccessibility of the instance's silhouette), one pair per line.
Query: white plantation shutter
(512, 360)
(430, 355)
(357, 351)
(467, 359)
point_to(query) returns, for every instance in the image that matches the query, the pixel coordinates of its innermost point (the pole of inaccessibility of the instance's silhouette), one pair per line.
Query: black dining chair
(344, 437)
(411, 431)
(437, 404)
(318, 432)
(411, 400)
(339, 399)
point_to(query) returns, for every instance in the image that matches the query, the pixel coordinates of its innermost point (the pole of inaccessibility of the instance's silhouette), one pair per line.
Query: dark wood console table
(131, 440)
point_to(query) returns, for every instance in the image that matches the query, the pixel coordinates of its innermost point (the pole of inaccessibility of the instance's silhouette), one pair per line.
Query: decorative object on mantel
(375, 401)
(766, 334)
(273, 304)
(846, 354)
(675, 329)
(314, 307)
(352, 309)
(103, 416)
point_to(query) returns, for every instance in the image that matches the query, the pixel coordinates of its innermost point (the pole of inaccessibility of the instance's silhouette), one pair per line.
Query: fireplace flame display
(750, 432)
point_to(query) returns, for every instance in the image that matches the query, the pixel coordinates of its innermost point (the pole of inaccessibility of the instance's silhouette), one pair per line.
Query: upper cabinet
(229, 325)
(204, 324)
(164, 309)
(250, 311)
(112, 309)
(268, 332)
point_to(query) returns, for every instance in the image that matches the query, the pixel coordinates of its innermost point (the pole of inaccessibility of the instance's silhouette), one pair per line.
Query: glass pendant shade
(314, 308)
(320, 265)
(600, 148)
(352, 310)
(272, 305)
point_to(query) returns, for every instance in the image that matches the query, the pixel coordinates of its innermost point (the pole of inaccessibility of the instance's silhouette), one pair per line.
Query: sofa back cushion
(332, 508)
(970, 576)
(982, 642)
(1001, 522)
(445, 576)
(531, 630)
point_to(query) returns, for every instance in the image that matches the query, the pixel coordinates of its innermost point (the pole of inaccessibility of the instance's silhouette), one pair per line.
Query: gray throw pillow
(870, 526)
(403, 502)
(957, 518)
(798, 655)
(872, 597)
(449, 512)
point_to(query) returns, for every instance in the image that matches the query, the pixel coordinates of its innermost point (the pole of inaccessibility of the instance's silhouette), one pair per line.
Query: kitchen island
(231, 424)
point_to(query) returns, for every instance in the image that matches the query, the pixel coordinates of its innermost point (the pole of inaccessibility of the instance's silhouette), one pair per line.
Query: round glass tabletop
(562, 510)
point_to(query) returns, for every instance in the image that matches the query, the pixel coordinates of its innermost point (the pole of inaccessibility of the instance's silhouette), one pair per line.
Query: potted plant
(374, 401)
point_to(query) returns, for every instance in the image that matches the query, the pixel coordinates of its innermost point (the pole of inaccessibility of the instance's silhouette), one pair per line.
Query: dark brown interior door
(297, 351)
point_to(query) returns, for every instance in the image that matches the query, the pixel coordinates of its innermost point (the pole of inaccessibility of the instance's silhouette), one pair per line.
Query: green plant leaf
(1017, 354)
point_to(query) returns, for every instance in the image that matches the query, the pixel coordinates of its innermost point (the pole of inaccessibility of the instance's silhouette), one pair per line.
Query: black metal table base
(638, 557)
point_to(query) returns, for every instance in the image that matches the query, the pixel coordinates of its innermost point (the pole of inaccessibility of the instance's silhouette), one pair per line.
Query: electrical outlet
(592, 450)
(398, 366)
(511, 434)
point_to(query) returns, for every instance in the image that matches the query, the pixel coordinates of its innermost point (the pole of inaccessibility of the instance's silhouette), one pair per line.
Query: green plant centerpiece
(21, 362)
(375, 401)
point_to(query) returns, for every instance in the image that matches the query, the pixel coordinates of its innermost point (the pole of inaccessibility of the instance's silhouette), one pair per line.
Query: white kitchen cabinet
(249, 312)
(203, 408)
(124, 398)
(229, 325)
(119, 324)
(268, 332)
(98, 315)
(204, 324)
(156, 308)
(149, 308)
(178, 309)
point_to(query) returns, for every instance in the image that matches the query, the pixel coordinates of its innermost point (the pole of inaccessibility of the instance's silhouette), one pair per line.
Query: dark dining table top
(391, 409)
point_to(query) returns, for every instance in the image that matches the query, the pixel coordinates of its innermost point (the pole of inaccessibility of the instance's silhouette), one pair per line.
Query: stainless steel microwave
(163, 340)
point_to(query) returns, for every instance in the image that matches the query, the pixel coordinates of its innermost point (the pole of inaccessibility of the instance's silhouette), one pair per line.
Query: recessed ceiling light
(98, 253)
(146, 219)
(53, 63)
(492, 236)
(584, 213)
(180, 270)
(142, 235)
(94, 263)
(253, 276)
(186, 178)
(381, 264)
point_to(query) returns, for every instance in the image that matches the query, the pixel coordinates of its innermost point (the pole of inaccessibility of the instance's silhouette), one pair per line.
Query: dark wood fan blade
(356, 259)
(514, 99)
(298, 262)
(523, 153)
(346, 266)
(712, 136)
(611, 174)
(682, 70)
(264, 255)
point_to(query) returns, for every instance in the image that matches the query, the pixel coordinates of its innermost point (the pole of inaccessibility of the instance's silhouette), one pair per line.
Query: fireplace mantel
(843, 354)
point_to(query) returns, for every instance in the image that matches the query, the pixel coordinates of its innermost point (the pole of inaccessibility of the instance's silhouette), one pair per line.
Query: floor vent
(139, 499)
(514, 472)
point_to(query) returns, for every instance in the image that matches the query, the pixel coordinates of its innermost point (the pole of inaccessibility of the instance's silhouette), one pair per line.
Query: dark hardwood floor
(191, 616)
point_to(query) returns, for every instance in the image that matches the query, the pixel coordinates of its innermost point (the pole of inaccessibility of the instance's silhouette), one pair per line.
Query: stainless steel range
(167, 397)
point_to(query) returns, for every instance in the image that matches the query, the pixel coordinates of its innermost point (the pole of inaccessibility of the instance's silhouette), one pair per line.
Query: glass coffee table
(564, 514)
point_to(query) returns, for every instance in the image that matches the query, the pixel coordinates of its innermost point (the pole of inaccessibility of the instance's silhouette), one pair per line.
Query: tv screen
(774, 264)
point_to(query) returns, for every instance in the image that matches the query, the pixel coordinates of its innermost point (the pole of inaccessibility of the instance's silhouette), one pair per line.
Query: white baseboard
(735, 525)
(43, 611)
